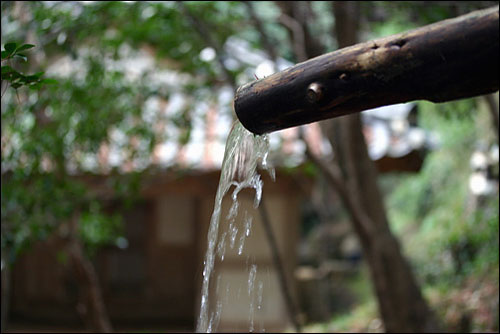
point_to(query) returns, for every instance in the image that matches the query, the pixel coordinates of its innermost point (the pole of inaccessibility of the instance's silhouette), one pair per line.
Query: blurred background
(114, 122)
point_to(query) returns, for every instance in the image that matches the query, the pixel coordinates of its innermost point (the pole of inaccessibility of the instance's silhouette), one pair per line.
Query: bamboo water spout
(448, 60)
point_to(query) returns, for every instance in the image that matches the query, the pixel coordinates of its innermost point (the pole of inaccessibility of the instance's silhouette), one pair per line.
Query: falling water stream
(243, 154)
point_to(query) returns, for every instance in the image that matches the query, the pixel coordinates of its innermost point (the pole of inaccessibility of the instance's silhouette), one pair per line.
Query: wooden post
(444, 61)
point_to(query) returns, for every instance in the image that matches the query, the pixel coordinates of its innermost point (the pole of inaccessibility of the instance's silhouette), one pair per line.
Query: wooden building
(154, 279)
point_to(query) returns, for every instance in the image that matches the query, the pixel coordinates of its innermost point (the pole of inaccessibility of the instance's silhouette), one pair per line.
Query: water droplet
(233, 232)
(251, 282)
(233, 212)
(221, 247)
(260, 294)
(251, 278)
(242, 242)
(248, 224)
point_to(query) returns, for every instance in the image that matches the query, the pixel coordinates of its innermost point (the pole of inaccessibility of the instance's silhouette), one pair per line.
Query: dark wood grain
(444, 61)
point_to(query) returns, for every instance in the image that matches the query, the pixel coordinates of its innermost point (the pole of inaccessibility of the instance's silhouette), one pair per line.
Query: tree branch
(362, 223)
(298, 36)
(204, 33)
(493, 109)
(266, 41)
(291, 306)
(91, 307)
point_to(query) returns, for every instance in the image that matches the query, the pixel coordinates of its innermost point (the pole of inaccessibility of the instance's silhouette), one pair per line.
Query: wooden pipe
(448, 60)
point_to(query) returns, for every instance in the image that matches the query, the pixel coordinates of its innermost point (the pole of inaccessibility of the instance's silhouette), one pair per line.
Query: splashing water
(244, 152)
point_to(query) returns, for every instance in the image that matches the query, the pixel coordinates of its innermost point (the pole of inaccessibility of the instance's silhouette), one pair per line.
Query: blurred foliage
(450, 236)
(391, 17)
(444, 233)
(98, 228)
(99, 98)
(53, 135)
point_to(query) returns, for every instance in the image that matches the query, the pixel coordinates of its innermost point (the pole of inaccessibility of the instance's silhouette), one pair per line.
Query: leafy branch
(15, 78)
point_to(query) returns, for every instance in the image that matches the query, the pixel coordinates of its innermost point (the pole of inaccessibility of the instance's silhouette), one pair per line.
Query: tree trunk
(291, 305)
(401, 305)
(353, 174)
(493, 109)
(6, 275)
(91, 305)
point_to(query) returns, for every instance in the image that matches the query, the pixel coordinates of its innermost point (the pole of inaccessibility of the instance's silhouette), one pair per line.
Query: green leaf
(7, 69)
(23, 57)
(35, 86)
(10, 48)
(16, 85)
(49, 81)
(11, 75)
(32, 78)
(25, 47)
(14, 75)
(5, 54)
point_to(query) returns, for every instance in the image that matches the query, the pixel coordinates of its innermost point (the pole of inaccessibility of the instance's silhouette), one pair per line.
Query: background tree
(51, 135)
